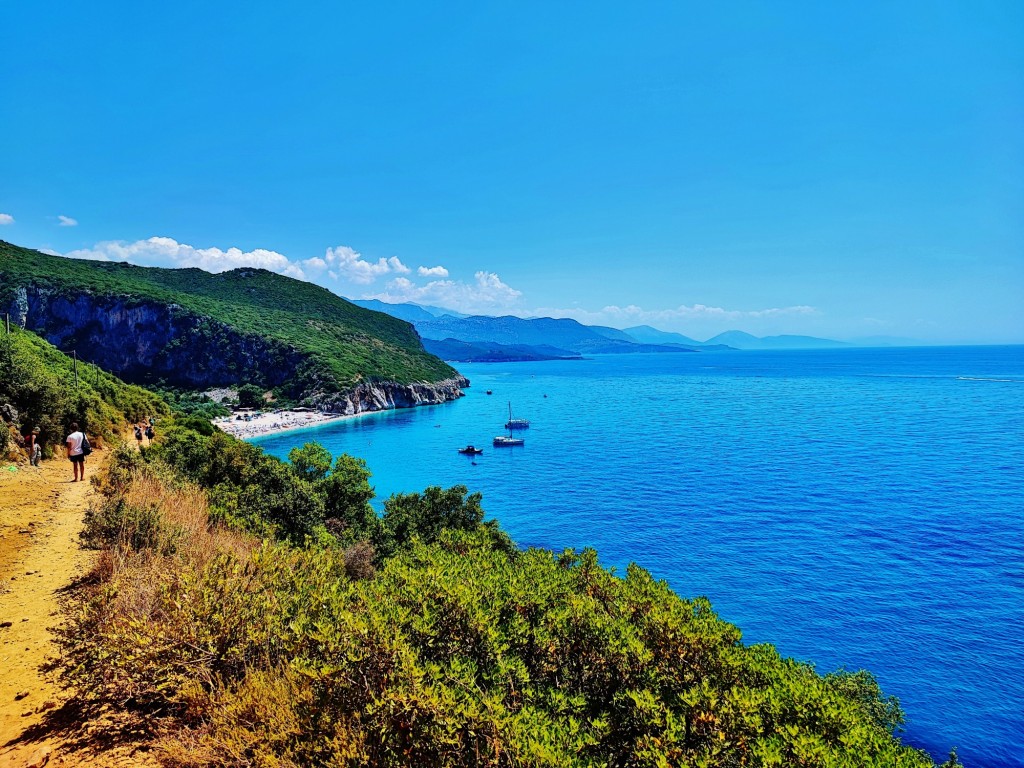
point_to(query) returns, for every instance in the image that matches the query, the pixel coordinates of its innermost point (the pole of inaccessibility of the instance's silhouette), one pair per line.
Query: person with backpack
(35, 451)
(78, 447)
(150, 433)
(138, 433)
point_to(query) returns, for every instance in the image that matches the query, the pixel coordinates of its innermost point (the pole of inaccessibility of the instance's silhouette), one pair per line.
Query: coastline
(366, 397)
(277, 422)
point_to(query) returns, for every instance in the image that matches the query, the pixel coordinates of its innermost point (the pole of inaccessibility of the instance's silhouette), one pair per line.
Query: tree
(347, 493)
(250, 396)
(425, 516)
(312, 461)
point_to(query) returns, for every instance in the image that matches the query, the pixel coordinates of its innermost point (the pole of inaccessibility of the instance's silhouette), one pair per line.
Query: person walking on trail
(75, 453)
(138, 434)
(35, 451)
(150, 434)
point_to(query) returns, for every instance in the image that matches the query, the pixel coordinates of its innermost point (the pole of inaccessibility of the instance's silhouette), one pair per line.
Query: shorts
(79, 459)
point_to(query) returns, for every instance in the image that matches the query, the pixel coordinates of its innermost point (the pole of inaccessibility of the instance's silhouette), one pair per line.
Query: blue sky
(838, 169)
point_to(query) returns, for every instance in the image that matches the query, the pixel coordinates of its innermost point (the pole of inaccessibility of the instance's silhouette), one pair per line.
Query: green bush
(116, 523)
(425, 516)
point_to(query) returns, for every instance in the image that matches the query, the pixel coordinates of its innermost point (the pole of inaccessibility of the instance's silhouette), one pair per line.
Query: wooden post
(75, 353)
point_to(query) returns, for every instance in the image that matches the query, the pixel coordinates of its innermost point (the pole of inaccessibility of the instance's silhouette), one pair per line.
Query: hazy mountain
(490, 352)
(741, 340)
(408, 311)
(558, 332)
(615, 334)
(411, 313)
(645, 334)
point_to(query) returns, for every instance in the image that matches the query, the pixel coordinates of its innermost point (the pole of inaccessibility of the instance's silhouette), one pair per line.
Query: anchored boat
(515, 423)
(507, 441)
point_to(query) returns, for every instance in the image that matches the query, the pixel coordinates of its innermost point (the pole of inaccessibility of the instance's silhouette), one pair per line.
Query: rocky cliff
(381, 396)
(145, 341)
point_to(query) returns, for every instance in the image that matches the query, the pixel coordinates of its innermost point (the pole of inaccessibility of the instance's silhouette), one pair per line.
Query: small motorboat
(489, 392)
(471, 450)
(507, 441)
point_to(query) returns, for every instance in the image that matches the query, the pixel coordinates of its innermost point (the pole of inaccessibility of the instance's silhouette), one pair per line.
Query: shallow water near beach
(858, 508)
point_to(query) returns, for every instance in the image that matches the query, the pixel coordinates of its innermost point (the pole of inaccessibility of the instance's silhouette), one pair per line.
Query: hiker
(138, 433)
(35, 451)
(76, 454)
(150, 433)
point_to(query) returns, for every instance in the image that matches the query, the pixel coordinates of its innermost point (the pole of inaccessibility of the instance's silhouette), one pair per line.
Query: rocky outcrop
(385, 395)
(146, 341)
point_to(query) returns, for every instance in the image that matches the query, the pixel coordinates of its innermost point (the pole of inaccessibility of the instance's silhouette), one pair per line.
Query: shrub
(358, 561)
(409, 516)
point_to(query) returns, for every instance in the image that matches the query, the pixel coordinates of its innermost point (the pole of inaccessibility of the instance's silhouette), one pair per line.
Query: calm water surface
(858, 508)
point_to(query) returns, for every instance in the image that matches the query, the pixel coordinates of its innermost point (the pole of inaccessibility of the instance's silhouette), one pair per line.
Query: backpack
(86, 448)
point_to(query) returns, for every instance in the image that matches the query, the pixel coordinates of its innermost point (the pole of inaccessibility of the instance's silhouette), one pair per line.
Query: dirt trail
(41, 514)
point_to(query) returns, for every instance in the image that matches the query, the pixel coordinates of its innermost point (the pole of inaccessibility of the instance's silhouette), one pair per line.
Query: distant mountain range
(648, 335)
(410, 312)
(741, 340)
(563, 333)
(457, 351)
(454, 336)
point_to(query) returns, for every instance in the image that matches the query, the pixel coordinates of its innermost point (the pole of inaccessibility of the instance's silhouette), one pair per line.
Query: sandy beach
(275, 421)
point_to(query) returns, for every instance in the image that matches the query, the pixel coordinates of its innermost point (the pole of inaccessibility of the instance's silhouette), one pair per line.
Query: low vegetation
(259, 614)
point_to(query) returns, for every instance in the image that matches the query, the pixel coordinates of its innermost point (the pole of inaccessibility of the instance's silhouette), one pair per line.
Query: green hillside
(37, 382)
(341, 343)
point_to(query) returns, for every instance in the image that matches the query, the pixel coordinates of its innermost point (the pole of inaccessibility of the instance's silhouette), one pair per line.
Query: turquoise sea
(857, 508)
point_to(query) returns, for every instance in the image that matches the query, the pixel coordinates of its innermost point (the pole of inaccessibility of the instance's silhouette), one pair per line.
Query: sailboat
(515, 423)
(507, 441)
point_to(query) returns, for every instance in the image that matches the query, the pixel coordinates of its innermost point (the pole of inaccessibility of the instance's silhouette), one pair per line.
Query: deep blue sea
(857, 508)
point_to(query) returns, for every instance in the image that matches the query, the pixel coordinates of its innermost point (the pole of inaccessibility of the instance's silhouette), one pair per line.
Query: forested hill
(190, 328)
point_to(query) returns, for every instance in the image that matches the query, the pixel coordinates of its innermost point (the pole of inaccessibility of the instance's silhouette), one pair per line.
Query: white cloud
(67, 221)
(432, 271)
(348, 264)
(6, 218)
(167, 252)
(486, 294)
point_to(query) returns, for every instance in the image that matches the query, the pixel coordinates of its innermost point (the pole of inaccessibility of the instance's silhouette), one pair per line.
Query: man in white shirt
(74, 446)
